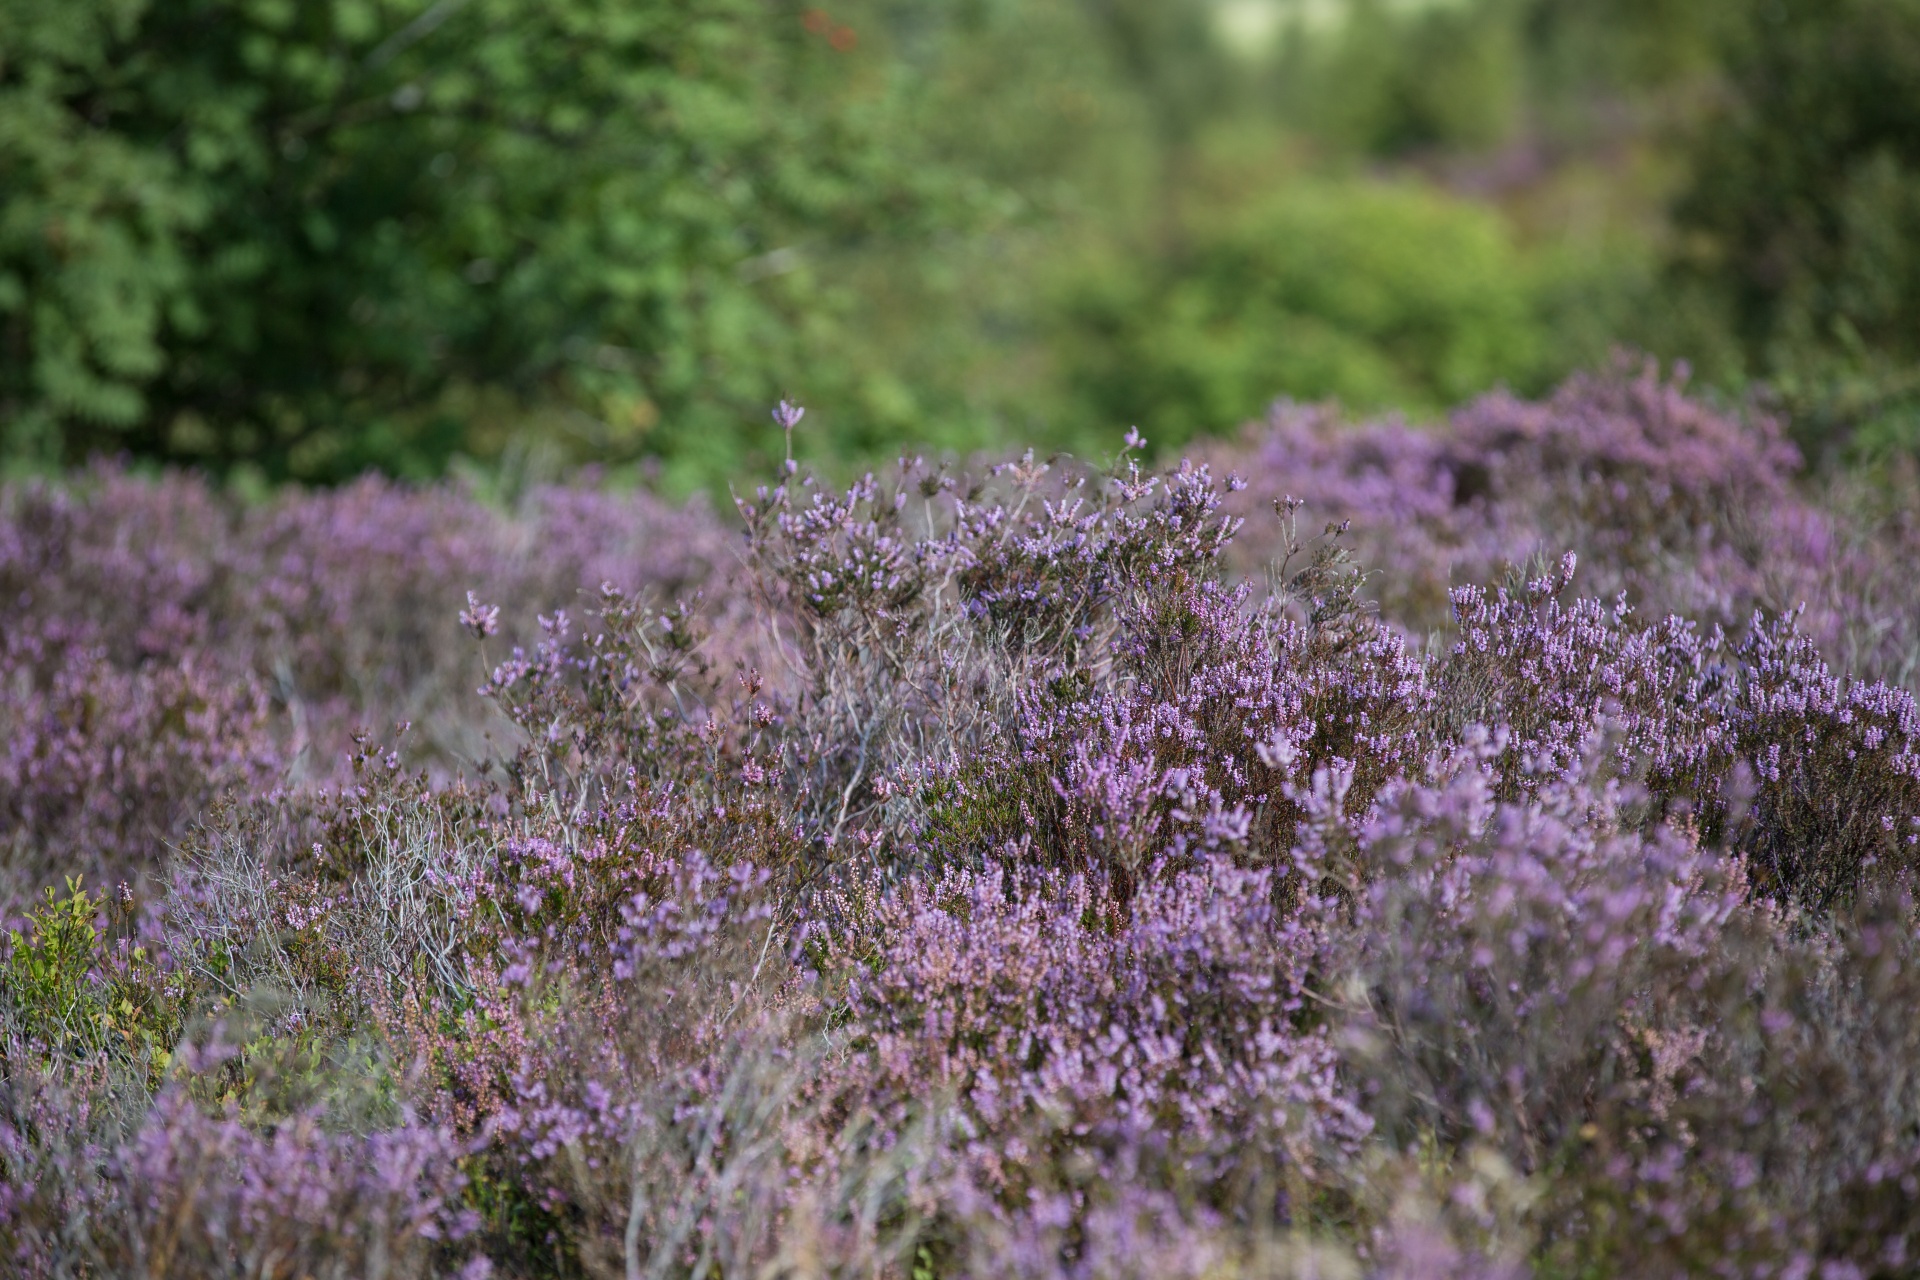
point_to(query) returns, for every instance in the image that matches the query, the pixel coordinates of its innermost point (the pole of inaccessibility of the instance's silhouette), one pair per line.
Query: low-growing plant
(991, 877)
(79, 982)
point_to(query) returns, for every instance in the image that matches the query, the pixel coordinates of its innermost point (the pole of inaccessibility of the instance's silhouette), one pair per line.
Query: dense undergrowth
(1364, 851)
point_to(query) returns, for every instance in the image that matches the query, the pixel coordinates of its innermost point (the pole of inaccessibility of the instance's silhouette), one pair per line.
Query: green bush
(1801, 224)
(68, 987)
(320, 235)
(1374, 294)
(1392, 78)
(1450, 78)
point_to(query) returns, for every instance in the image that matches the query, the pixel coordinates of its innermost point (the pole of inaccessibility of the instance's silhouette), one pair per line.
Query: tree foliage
(326, 234)
(314, 237)
(1802, 220)
(1374, 295)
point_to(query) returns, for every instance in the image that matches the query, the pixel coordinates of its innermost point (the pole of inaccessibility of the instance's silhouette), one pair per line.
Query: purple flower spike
(480, 619)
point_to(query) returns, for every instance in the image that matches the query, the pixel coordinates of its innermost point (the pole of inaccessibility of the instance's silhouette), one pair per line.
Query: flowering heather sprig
(1837, 763)
(788, 417)
(209, 1196)
(1164, 1038)
(102, 766)
(186, 1193)
(482, 620)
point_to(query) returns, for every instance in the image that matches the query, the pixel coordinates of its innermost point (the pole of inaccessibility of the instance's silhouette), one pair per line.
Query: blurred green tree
(1801, 222)
(1393, 78)
(1375, 294)
(313, 236)
(320, 235)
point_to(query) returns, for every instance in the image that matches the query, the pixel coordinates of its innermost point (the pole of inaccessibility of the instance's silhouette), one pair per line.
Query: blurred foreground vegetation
(309, 237)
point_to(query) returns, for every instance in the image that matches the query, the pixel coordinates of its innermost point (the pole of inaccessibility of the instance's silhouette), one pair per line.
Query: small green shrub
(71, 988)
(1377, 295)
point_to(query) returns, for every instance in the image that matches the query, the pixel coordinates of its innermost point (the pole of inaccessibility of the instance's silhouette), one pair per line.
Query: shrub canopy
(325, 236)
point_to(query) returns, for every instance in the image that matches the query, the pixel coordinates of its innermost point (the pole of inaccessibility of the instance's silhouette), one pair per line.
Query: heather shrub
(208, 1196)
(1687, 507)
(1547, 671)
(1092, 1042)
(101, 1180)
(1838, 779)
(106, 764)
(1600, 1009)
(362, 586)
(1221, 713)
(1850, 574)
(637, 1086)
(1830, 758)
(167, 645)
(191, 1195)
(1514, 963)
(979, 876)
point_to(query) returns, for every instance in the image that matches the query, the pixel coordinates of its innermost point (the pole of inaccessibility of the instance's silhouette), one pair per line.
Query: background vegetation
(308, 237)
(1059, 867)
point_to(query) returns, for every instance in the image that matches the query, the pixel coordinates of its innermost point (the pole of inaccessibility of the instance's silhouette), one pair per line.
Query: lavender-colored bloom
(1056, 872)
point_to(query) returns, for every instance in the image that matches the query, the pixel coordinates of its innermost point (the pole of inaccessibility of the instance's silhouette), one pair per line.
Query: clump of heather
(1089, 1043)
(166, 645)
(106, 763)
(191, 1193)
(1479, 852)
(1687, 508)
